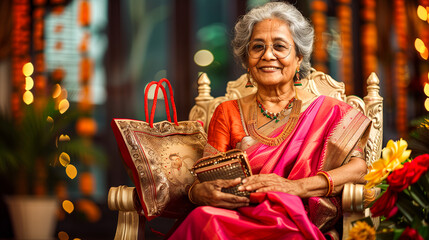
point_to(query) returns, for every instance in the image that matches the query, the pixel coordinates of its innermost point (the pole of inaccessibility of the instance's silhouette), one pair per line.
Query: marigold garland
(21, 40)
(369, 38)
(320, 56)
(401, 69)
(345, 19)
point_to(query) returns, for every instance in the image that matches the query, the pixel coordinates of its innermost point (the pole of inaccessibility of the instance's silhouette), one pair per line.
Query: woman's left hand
(271, 183)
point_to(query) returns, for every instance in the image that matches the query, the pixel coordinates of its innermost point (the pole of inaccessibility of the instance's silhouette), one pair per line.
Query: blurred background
(88, 61)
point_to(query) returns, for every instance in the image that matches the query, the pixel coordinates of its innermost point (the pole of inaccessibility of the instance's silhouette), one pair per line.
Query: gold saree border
(344, 138)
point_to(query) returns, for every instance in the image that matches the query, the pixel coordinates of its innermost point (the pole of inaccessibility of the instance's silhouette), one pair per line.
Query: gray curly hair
(300, 28)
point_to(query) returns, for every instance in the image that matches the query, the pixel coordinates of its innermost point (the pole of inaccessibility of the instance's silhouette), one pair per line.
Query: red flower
(410, 234)
(422, 161)
(400, 179)
(385, 205)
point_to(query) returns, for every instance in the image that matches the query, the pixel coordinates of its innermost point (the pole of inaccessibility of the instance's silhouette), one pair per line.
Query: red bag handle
(173, 105)
(152, 112)
(154, 103)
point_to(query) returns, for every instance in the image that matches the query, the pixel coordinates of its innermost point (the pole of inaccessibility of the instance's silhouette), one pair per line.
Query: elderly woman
(302, 148)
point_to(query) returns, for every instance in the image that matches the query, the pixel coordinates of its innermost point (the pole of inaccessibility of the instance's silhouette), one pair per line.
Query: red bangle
(330, 182)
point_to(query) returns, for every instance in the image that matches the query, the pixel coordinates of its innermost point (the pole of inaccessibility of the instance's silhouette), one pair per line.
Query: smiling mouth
(269, 68)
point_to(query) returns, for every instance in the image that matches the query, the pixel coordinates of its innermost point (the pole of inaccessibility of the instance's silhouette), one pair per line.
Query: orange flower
(361, 231)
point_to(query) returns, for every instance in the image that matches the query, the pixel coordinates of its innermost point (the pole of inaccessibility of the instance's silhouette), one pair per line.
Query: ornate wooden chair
(355, 198)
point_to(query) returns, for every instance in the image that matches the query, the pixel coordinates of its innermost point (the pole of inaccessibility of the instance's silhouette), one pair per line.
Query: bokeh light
(28, 97)
(160, 74)
(71, 171)
(29, 83)
(57, 91)
(63, 236)
(86, 126)
(63, 106)
(28, 69)
(203, 58)
(425, 54)
(64, 138)
(49, 119)
(419, 45)
(64, 159)
(426, 89)
(422, 13)
(427, 104)
(68, 206)
(151, 91)
(86, 183)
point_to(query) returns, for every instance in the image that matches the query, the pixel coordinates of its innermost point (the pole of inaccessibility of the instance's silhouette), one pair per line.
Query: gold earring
(249, 82)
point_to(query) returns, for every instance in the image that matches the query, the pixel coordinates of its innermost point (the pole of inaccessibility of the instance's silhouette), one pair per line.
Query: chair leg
(348, 218)
(129, 224)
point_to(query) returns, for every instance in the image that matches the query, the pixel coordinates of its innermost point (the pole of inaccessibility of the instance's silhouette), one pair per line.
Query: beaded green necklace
(272, 115)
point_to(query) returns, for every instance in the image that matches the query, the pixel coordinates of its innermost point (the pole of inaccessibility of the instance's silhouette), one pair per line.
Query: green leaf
(424, 182)
(424, 231)
(407, 208)
(418, 195)
(397, 233)
(383, 186)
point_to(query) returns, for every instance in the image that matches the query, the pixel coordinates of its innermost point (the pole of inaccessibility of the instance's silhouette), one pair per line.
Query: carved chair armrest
(355, 201)
(124, 200)
(356, 198)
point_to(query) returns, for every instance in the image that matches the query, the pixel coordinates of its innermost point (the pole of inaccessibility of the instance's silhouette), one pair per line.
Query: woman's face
(268, 70)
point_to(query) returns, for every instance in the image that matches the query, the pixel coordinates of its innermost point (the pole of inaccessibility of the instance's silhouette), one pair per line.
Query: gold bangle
(190, 193)
(330, 182)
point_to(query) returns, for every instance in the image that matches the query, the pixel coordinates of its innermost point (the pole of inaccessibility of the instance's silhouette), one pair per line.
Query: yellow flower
(361, 231)
(377, 173)
(394, 154)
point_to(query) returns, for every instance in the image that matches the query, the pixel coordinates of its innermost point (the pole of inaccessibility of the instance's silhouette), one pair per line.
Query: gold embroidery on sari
(342, 142)
(324, 214)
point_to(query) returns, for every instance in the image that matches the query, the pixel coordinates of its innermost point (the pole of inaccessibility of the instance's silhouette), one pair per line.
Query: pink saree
(325, 135)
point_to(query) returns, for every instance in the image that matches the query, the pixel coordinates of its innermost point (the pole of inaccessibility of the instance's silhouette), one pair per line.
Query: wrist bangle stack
(190, 193)
(330, 182)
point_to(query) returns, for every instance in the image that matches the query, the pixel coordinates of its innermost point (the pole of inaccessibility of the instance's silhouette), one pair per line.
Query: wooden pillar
(181, 58)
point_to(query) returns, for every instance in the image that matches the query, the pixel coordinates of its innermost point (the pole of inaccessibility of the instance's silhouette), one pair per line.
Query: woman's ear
(299, 60)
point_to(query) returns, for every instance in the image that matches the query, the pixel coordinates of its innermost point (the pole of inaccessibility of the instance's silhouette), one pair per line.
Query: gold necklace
(287, 130)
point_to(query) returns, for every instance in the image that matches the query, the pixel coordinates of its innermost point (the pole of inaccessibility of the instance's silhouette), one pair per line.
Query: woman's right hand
(209, 193)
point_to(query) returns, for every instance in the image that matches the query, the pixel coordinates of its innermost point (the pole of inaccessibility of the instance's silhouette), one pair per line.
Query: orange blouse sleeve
(225, 129)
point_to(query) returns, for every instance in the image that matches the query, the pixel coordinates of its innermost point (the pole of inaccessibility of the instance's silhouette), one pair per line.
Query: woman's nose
(269, 53)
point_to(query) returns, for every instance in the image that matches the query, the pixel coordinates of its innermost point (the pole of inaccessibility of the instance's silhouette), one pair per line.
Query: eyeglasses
(280, 49)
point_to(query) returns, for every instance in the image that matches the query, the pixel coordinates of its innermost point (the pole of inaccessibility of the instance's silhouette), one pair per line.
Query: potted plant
(35, 155)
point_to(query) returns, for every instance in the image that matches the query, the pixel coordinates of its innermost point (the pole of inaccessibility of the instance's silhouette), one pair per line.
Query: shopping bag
(159, 157)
